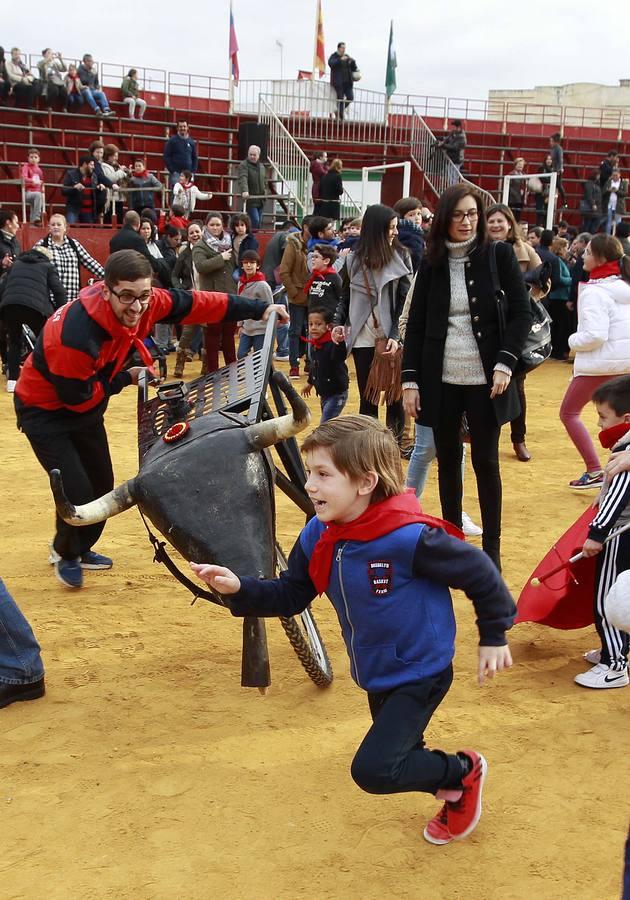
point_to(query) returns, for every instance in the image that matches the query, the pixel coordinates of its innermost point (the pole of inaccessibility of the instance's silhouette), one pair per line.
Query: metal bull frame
(249, 390)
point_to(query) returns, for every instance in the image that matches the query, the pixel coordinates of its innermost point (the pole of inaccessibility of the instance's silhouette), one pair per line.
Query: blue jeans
(96, 99)
(255, 214)
(423, 455)
(84, 218)
(282, 331)
(332, 406)
(249, 342)
(20, 660)
(74, 100)
(296, 327)
(610, 218)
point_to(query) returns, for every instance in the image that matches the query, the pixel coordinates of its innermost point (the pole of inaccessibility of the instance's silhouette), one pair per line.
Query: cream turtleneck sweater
(462, 362)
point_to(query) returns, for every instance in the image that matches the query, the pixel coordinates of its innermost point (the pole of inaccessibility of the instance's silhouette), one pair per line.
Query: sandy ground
(148, 772)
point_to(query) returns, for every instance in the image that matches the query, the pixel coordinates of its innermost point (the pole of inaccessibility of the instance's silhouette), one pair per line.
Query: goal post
(365, 172)
(553, 183)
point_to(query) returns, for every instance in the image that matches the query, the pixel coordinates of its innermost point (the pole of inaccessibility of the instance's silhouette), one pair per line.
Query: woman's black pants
(474, 400)
(14, 317)
(395, 415)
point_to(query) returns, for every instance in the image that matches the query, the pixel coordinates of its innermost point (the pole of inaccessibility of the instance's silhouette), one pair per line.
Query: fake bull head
(210, 493)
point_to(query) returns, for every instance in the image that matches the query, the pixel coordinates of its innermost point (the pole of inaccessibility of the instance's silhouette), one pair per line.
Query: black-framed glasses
(458, 216)
(128, 298)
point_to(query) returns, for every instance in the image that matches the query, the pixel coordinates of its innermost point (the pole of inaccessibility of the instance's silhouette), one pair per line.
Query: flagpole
(230, 78)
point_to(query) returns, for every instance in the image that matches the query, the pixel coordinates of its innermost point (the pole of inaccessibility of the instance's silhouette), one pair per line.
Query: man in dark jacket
(128, 238)
(9, 244)
(79, 363)
(91, 90)
(169, 244)
(180, 153)
(251, 180)
(606, 167)
(25, 300)
(454, 143)
(557, 161)
(341, 68)
(79, 188)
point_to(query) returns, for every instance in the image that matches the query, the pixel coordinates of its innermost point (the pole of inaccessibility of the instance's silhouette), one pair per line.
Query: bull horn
(116, 501)
(272, 431)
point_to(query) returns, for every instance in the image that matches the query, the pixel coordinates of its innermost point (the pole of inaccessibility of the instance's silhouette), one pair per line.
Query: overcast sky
(444, 47)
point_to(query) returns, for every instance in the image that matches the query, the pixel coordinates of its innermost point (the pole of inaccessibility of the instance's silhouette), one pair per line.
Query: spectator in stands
(294, 274)
(591, 203)
(614, 199)
(53, 87)
(180, 153)
(5, 84)
(130, 92)
(117, 175)
(622, 234)
(557, 162)
(376, 280)
(427, 220)
(343, 69)
(68, 255)
(186, 278)
(91, 88)
(142, 184)
(454, 144)
(251, 181)
(558, 301)
(517, 188)
(186, 193)
(24, 86)
(330, 191)
(9, 244)
(173, 216)
(319, 167)
(26, 300)
(606, 167)
(242, 239)
(80, 187)
(410, 233)
(74, 88)
(541, 188)
(33, 183)
(253, 284)
(104, 185)
(213, 258)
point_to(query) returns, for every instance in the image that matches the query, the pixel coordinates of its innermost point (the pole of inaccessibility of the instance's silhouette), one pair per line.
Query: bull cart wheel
(305, 639)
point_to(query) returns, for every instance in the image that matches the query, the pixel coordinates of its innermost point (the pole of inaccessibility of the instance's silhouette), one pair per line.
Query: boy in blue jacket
(387, 571)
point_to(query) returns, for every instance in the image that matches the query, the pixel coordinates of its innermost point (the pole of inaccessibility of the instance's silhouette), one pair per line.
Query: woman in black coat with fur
(459, 358)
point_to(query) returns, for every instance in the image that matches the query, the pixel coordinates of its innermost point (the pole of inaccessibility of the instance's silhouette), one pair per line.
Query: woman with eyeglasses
(459, 355)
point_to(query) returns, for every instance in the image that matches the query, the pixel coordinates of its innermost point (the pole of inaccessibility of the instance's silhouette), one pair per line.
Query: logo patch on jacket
(381, 576)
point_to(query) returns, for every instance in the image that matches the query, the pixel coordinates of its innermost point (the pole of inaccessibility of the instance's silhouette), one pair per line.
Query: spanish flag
(319, 58)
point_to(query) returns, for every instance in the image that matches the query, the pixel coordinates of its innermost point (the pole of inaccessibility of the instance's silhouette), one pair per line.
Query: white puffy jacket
(602, 341)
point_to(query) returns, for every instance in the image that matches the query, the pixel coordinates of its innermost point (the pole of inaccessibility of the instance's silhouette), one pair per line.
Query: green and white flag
(390, 74)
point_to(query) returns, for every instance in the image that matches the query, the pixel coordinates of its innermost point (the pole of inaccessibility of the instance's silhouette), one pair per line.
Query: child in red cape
(387, 570)
(610, 662)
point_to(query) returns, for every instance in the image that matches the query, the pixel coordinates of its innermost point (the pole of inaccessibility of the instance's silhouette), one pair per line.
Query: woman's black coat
(30, 281)
(423, 352)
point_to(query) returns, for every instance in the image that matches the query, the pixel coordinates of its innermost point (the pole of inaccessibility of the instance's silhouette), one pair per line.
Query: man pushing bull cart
(79, 362)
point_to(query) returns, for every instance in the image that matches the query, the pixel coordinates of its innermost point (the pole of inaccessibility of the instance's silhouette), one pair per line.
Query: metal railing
(286, 157)
(349, 206)
(439, 171)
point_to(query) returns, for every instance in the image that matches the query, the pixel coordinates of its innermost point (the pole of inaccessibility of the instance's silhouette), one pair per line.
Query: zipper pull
(339, 552)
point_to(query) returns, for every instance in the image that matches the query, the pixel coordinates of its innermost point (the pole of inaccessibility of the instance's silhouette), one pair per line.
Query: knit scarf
(143, 174)
(605, 270)
(219, 245)
(608, 437)
(244, 280)
(377, 520)
(329, 270)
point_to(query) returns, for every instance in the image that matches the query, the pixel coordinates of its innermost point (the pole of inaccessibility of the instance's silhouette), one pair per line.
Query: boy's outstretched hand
(218, 577)
(491, 660)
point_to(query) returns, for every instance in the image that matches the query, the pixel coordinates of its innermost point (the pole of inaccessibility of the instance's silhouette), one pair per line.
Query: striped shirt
(68, 258)
(614, 501)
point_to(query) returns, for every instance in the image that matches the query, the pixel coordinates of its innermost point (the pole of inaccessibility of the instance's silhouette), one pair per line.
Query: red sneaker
(436, 831)
(463, 815)
(294, 372)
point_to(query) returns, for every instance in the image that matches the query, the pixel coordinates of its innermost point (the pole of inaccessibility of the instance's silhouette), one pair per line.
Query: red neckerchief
(328, 271)
(377, 520)
(608, 437)
(187, 186)
(606, 270)
(143, 174)
(101, 311)
(244, 280)
(319, 342)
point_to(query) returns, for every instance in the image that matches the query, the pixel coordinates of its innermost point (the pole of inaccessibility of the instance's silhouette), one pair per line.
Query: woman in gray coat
(213, 258)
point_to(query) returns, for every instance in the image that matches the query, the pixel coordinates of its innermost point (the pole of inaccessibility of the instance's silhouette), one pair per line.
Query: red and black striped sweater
(78, 360)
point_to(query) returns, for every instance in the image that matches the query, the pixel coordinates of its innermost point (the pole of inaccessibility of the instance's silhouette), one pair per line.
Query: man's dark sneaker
(92, 560)
(69, 572)
(11, 693)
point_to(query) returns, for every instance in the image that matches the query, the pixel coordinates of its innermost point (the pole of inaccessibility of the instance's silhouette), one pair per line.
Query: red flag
(233, 48)
(319, 58)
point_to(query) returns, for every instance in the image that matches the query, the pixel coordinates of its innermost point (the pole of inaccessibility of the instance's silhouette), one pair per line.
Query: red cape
(565, 600)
